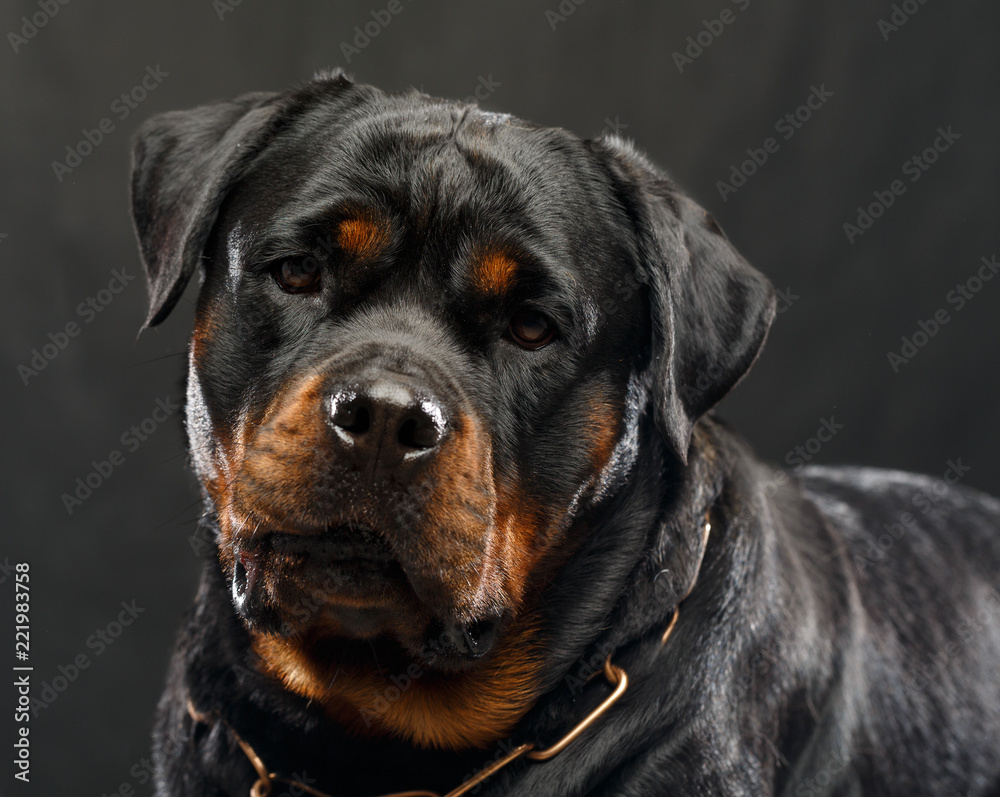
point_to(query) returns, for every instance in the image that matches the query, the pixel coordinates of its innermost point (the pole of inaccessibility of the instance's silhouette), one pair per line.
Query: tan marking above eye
(493, 272)
(362, 236)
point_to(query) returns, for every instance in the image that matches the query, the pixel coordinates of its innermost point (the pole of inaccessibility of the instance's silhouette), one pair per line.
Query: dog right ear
(710, 309)
(183, 165)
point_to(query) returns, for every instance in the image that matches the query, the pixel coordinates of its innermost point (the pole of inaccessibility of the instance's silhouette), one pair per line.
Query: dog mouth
(284, 572)
(344, 580)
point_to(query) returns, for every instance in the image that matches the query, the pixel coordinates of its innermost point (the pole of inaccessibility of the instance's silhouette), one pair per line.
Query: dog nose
(387, 424)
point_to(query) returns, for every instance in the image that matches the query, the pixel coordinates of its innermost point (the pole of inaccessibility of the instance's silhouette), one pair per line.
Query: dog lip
(247, 571)
(247, 595)
(337, 544)
(345, 564)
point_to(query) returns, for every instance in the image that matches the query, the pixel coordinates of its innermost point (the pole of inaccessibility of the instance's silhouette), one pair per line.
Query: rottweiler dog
(474, 528)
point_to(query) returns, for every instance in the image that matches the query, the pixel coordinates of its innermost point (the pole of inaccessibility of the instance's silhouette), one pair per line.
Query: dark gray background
(606, 63)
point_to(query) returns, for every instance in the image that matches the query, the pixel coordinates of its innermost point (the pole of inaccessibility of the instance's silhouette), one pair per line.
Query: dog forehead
(417, 154)
(489, 192)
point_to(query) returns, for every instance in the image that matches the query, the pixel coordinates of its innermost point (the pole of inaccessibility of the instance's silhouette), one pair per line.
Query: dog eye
(301, 275)
(531, 330)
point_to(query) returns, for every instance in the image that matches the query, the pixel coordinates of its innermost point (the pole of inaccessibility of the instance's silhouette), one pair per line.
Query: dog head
(425, 342)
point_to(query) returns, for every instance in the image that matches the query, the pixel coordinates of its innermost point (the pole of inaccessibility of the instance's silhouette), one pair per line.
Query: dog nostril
(423, 426)
(355, 419)
(419, 433)
(352, 415)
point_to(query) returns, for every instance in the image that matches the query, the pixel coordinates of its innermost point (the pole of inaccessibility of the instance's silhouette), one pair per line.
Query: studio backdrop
(848, 149)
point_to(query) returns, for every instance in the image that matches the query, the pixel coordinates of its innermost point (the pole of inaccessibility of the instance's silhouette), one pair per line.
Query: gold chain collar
(616, 676)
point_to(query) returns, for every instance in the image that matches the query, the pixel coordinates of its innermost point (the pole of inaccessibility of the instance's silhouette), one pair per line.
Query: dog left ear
(183, 165)
(710, 309)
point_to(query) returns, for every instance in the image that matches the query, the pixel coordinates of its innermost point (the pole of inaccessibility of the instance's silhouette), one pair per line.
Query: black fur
(807, 661)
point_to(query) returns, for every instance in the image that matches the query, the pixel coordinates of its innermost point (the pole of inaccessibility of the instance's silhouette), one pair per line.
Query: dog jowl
(446, 398)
